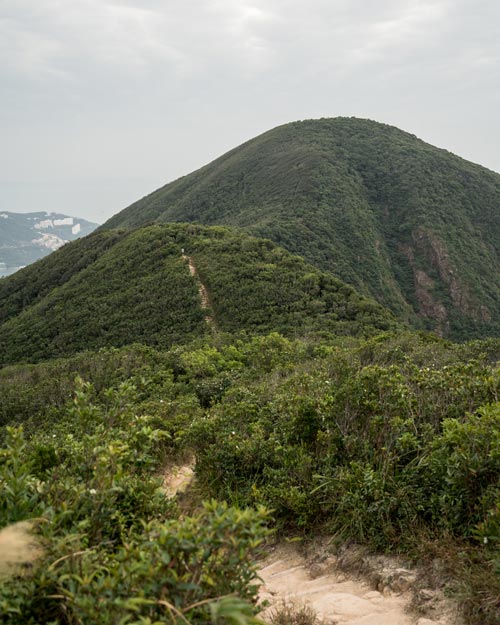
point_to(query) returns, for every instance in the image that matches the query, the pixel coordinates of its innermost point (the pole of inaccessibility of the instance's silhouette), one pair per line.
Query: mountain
(166, 284)
(26, 237)
(142, 353)
(406, 223)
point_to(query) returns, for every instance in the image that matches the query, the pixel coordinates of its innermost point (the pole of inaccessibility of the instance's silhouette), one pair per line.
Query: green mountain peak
(411, 225)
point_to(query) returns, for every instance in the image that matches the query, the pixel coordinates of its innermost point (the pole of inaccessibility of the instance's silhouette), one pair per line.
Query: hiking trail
(202, 290)
(19, 548)
(335, 596)
(178, 478)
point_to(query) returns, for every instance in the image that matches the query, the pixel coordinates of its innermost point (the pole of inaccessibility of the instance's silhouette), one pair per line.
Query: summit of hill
(411, 225)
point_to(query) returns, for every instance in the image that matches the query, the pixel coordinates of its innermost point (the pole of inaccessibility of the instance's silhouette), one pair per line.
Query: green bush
(112, 551)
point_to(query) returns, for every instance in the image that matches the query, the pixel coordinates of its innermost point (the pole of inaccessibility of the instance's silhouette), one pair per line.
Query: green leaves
(369, 421)
(232, 610)
(402, 221)
(19, 489)
(138, 289)
(112, 552)
(369, 440)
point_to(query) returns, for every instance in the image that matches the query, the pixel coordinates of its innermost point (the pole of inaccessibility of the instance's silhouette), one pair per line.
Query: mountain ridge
(409, 224)
(136, 286)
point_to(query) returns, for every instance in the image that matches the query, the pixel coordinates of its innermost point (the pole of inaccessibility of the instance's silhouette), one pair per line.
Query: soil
(318, 581)
(384, 593)
(18, 548)
(202, 290)
(176, 479)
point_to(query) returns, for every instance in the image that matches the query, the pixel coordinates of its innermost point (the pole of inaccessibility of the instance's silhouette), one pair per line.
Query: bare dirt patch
(318, 582)
(178, 478)
(18, 548)
(202, 290)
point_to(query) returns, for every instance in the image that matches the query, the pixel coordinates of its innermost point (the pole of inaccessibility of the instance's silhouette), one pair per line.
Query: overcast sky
(102, 101)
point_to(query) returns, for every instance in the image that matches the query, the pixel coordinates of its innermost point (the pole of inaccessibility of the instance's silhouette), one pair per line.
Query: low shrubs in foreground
(394, 442)
(113, 547)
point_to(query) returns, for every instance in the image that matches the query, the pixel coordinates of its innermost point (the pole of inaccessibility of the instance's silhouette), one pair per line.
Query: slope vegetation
(135, 286)
(392, 442)
(409, 224)
(34, 282)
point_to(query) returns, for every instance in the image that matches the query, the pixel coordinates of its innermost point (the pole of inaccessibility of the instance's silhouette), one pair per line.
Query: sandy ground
(176, 479)
(334, 596)
(202, 290)
(17, 548)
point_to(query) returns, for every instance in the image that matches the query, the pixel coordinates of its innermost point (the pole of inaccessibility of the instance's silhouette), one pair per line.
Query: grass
(288, 612)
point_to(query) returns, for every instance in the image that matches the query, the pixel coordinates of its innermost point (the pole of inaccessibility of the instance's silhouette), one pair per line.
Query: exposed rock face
(353, 196)
(436, 254)
(428, 305)
(427, 250)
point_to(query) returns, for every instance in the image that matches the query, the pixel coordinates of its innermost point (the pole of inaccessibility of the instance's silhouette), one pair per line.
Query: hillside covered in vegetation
(392, 442)
(121, 287)
(303, 406)
(413, 226)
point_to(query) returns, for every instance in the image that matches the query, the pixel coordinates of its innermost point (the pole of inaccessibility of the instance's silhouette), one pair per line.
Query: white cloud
(157, 87)
(98, 37)
(27, 53)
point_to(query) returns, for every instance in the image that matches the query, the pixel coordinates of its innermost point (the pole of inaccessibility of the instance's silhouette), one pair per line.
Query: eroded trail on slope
(18, 548)
(336, 597)
(202, 290)
(318, 581)
(178, 478)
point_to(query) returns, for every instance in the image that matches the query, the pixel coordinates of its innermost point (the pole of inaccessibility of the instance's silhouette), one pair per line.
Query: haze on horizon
(105, 100)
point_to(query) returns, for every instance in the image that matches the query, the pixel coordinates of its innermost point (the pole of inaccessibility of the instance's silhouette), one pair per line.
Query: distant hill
(411, 225)
(26, 237)
(115, 288)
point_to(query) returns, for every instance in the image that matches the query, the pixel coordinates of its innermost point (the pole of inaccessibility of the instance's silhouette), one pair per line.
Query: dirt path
(18, 548)
(176, 479)
(334, 596)
(202, 290)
